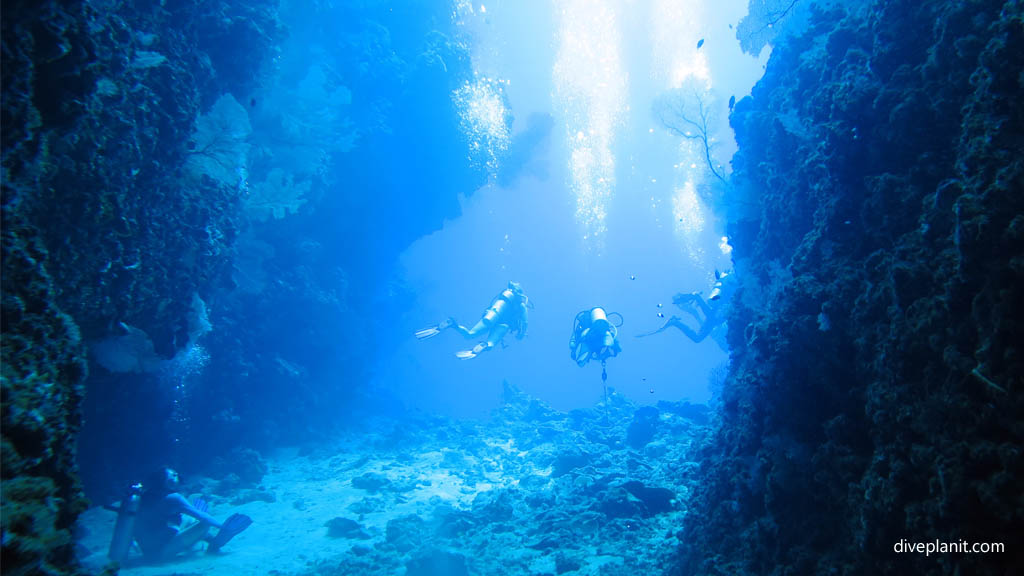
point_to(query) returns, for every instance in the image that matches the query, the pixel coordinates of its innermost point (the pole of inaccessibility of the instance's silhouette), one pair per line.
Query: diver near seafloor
(507, 313)
(709, 314)
(158, 517)
(594, 337)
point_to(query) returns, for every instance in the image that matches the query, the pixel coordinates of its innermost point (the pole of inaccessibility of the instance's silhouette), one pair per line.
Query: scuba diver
(713, 311)
(594, 336)
(157, 523)
(507, 313)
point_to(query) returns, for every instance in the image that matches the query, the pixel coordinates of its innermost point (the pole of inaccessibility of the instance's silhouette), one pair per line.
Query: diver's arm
(186, 507)
(525, 322)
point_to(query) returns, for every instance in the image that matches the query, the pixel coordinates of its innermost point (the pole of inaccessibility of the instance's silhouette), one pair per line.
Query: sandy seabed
(290, 535)
(548, 494)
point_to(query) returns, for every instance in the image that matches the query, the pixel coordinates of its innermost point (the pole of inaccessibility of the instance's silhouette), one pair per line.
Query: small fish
(632, 276)
(700, 43)
(659, 304)
(652, 390)
(661, 314)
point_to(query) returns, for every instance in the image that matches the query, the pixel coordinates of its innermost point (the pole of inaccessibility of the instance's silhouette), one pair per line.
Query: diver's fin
(433, 330)
(231, 528)
(465, 354)
(652, 332)
(427, 333)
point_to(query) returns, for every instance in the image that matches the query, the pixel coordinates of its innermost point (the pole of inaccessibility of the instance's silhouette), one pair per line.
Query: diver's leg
(677, 323)
(498, 332)
(695, 307)
(704, 306)
(673, 321)
(694, 313)
(432, 331)
(699, 336)
(186, 539)
(473, 332)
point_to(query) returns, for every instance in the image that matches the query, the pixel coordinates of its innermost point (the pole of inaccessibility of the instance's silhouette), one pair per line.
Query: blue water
(395, 164)
(530, 228)
(236, 234)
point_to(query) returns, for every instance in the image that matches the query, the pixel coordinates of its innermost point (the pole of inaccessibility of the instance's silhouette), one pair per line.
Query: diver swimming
(506, 313)
(710, 314)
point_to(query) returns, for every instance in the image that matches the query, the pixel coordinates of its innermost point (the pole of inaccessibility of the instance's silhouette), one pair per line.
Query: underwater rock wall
(876, 362)
(43, 368)
(100, 231)
(110, 236)
(314, 290)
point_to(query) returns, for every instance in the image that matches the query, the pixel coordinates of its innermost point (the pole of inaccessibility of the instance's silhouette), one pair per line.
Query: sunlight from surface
(689, 220)
(678, 63)
(675, 31)
(590, 93)
(484, 118)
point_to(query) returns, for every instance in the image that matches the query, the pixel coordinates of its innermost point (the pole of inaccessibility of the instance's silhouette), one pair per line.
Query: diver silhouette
(709, 314)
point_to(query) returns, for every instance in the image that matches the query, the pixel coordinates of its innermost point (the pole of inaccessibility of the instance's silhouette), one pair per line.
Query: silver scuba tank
(121, 542)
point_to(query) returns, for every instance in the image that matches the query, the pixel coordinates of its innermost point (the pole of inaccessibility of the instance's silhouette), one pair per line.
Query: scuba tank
(501, 303)
(121, 542)
(602, 335)
(590, 323)
(599, 320)
(498, 305)
(495, 311)
(722, 286)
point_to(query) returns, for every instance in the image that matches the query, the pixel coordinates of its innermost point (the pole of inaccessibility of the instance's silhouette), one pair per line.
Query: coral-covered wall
(878, 224)
(108, 232)
(42, 367)
(98, 230)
